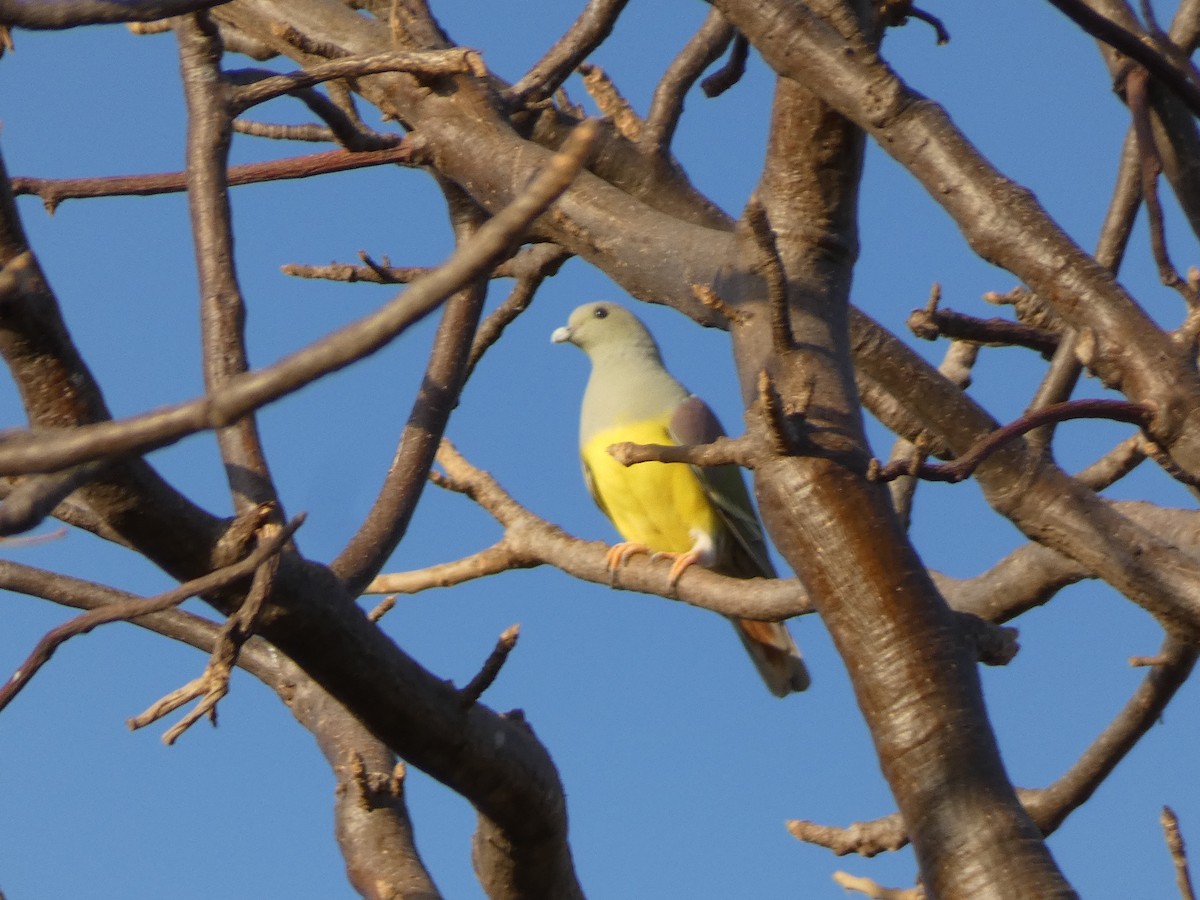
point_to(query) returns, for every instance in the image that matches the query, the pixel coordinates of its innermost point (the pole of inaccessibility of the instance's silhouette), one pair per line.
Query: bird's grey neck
(627, 387)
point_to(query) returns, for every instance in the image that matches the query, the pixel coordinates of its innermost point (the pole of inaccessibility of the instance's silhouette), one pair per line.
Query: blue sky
(680, 769)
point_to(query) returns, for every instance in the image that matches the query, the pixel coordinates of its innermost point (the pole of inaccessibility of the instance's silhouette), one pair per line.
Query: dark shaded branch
(30, 500)
(1136, 48)
(59, 14)
(963, 467)
(731, 73)
(474, 688)
(436, 63)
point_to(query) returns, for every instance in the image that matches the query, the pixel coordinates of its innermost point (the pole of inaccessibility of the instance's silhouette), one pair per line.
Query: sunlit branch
(1174, 838)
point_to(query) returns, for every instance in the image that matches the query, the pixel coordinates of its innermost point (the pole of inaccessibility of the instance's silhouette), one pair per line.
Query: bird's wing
(693, 422)
(590, 480)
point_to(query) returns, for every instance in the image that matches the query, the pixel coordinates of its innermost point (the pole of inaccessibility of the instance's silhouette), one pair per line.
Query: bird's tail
(775, 655)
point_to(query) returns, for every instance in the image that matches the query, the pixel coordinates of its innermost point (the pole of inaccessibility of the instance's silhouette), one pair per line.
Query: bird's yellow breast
(661, 505)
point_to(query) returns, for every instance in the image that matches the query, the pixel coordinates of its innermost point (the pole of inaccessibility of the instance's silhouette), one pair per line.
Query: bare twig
(610, 101)
(432, 63)
(721, 452)
(1137, 95)
(537, 263)
(710, 298)
(731, 73)
(474, 689)
(54, 191)
(1183, 878)
(1051, 805)
(213, 683)
(874, 889)
(962, 468)
(132, 609)
(1174, 78)
(931, 324)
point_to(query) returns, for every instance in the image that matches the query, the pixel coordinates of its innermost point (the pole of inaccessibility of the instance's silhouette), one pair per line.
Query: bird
(692, 515)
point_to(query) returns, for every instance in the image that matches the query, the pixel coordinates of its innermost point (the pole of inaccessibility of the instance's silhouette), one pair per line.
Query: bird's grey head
(601, 329)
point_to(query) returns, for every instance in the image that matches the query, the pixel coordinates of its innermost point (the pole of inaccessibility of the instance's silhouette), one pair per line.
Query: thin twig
(431, 63)
(54, 191)
(1183, 878)
(1176, 80)
(474, 689)
(1137, 96)
(731, 73)
(131, 609)
(586, 33)
(213, 683)
(771, 267)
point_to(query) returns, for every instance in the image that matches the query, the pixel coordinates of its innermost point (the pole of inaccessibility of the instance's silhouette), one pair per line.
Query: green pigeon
(692, 514)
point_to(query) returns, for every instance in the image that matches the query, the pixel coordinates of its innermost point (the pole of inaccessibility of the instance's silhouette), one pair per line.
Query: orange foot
(701, 553)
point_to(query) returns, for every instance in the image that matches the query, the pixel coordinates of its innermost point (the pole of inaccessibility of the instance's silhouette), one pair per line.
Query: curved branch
(586, 33)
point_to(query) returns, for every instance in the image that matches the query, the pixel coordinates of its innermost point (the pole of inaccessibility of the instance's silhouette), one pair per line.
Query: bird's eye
(600, 312)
